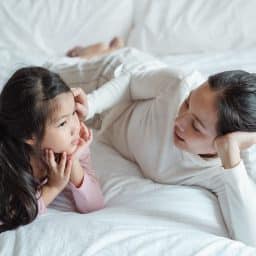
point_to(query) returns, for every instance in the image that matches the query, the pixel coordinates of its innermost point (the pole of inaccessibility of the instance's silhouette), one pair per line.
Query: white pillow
(172, 27)
(47, 27)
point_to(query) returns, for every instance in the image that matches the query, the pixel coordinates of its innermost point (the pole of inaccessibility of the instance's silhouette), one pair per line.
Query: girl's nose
(75, 128)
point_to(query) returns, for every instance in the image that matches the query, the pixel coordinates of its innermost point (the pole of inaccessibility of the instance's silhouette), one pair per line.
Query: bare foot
(96, 49)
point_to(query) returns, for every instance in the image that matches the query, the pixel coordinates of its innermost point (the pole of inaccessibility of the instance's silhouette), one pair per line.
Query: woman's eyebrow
(196, 117)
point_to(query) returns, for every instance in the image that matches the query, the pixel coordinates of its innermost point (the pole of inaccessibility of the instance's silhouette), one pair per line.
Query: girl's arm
(83, 182)
(238, 193)
(84, 185)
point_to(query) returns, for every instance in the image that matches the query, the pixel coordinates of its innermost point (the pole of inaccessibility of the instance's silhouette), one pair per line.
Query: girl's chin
(73, 149)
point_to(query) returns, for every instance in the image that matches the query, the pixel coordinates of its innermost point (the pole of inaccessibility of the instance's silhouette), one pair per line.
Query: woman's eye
(74, 112)
(194, 127)
(62, 124)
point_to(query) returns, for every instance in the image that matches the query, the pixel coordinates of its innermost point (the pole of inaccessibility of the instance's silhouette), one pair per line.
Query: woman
(182, 129)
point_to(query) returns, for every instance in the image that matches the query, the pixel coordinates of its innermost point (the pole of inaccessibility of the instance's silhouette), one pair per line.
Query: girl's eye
(74, 112)
(62, 124)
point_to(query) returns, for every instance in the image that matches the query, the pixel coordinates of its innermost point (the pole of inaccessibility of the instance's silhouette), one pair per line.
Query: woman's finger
(79, 95)
(82, 110)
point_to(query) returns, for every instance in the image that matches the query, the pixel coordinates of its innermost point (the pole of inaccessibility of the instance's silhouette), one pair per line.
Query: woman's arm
(237, 198)
(107, 79)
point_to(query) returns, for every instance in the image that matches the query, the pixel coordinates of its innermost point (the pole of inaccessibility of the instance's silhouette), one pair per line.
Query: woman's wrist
(228, 151)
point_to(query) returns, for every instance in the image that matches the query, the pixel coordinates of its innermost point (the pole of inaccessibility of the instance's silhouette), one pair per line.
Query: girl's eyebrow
(63, 116)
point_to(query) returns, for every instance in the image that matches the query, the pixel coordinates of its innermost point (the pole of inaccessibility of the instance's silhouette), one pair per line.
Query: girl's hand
(229, 146)
(59, 173)
(81, 102)
(85, 139)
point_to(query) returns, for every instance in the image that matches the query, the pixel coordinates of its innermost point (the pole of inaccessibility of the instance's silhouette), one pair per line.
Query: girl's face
(195, 125)
(62, 130)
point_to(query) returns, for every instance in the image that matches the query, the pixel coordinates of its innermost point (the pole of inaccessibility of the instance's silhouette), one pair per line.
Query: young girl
(44, 148)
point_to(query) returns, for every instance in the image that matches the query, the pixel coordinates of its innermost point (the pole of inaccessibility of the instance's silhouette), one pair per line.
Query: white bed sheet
(140, 218)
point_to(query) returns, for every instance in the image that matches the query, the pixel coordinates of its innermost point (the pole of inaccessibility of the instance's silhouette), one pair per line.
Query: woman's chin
(179, 143)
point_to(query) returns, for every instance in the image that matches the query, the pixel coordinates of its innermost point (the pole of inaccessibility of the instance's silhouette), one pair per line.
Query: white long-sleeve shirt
(146, 96)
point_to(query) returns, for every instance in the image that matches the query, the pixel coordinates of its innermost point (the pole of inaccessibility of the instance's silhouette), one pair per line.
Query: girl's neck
(38, 167)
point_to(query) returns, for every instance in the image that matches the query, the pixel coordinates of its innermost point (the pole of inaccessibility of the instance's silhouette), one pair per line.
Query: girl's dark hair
(24, 110)
(236, 100)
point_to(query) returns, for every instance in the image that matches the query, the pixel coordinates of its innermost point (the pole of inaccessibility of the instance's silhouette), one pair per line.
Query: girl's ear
(31, 141)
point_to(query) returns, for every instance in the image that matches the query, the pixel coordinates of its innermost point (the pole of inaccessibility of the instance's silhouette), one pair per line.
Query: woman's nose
(182, 122)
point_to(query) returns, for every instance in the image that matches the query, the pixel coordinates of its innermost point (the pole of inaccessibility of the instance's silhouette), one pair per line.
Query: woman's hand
(81, 102)
(229, 146)
(58, 173)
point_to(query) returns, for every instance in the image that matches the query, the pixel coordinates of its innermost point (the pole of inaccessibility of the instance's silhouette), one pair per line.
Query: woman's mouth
(177, 135)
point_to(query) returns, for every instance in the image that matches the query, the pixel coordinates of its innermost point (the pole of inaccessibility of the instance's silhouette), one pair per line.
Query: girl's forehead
(62, 105)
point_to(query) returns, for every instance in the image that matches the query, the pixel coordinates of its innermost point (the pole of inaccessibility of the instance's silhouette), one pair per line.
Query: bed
(141, 217)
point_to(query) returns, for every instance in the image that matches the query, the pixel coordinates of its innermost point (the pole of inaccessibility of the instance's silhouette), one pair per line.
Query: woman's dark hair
(24, 110)
(236, 100)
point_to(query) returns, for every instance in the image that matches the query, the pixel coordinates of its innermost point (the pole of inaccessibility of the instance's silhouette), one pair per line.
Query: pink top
(88, 197)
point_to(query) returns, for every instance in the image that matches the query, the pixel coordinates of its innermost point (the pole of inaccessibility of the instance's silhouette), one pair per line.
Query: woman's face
(62, 131)
(195, 125)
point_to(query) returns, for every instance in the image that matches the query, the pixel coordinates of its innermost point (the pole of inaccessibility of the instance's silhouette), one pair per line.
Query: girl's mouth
(75, 142)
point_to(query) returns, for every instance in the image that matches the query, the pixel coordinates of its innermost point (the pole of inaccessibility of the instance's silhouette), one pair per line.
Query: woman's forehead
(204, 105)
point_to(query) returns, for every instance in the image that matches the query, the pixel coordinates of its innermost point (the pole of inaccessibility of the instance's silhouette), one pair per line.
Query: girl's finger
(46, 156)
(63, 162)
(89, 133)
(68, 168)
(52, 161)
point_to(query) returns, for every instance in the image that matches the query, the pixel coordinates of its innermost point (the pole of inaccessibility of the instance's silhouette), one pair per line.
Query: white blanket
(140, 218)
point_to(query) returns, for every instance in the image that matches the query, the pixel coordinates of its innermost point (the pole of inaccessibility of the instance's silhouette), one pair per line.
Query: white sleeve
(131, 80)
(130, 86)
(110, 94)
(238, 204)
